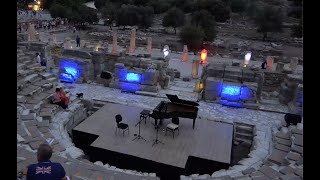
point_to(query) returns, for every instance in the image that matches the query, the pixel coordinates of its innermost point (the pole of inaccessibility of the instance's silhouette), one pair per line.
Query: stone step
(243, 140)
(241, 134)
(145, 93)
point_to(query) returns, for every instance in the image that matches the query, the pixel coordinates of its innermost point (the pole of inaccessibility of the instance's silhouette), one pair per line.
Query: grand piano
(176, 108)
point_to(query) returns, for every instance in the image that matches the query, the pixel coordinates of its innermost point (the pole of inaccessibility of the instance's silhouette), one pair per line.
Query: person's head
(37, 54)
(57, 89)
(44, 152)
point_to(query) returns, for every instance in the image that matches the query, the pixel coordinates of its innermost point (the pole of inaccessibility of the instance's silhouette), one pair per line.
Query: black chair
(124, 127)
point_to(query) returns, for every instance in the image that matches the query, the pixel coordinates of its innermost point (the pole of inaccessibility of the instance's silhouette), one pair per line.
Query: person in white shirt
(38, 58)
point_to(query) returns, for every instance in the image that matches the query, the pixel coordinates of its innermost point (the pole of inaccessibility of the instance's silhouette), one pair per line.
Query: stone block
(299, 172)
(284, 142)
(213, 84)
(281, 135)
(35, 144)
(298, 140)
(33, 131)
(289, 177)
(248, 171)
(287, 170)
(211, 95)
(30, 123)
(43, 129)
(149, 78)
(58, 148)
(294, 156)
(268, 171)
(44, 123)
(277, 156)
(28, 117)
(297, 149)
(282, 147)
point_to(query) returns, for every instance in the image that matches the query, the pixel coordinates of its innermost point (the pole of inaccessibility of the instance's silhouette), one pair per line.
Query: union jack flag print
(43, 170)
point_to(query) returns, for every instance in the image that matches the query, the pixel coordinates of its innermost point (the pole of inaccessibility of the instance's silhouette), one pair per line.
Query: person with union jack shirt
(45, 169)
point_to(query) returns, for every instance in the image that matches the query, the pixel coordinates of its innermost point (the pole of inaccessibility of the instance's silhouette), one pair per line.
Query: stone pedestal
(114, 43)
(185, 53)
(31, 32)
(67, 43)
(132, 42)
(149, 45)
(294, 64)
(195, 68)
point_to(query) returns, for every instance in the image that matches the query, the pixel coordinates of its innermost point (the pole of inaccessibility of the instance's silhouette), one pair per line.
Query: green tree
(58, 10)
(218, 8)
(297, 30)
(206, 21)
(99, 3)
(268, 19)
(239, 6)
(145, 16)
(128, 15)
(192, 36)
(109, 13)
(174, 18)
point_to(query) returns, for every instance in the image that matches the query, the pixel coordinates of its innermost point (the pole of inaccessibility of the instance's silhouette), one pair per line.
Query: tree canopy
(192, 36)
(74, 10)
(206, 21)
(174, 18)
(269, 19)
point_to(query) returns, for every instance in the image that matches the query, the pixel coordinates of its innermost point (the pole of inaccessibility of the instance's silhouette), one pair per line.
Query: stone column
(31, 32)
(185, 53)
(149, 46)
(114, 43)
(195, 67)
(293, 64)
(132, 42)
(269, 62)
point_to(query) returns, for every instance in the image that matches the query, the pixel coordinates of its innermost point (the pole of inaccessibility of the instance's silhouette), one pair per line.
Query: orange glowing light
(203, 56)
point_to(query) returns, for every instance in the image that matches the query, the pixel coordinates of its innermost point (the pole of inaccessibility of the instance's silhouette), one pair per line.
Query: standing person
(38, 58)
(74, 29)
(264, 64)
(45, 169)
(78, 41)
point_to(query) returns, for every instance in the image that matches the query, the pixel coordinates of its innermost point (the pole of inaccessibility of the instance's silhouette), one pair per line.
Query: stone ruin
(284, 84)
(152, 71)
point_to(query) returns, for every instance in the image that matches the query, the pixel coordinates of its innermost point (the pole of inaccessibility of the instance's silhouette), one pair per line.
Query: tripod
(139, 136)
(156, 141)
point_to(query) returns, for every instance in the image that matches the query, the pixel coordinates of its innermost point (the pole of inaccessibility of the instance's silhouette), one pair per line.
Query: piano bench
(172, 128)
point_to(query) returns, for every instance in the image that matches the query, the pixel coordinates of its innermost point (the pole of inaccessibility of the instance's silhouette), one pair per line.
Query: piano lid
(175, 99)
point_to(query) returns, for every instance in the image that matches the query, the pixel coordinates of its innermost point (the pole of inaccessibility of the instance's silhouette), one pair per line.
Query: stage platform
(209, 140)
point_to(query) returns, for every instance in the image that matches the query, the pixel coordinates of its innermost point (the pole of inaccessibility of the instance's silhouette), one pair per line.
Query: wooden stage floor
(209, 140)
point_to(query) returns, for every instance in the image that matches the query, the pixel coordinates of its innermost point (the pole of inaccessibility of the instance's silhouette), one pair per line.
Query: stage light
(247, 58)
(230, 90)
(165, 51)
(203, 56)
(71, 71)
(133, 77)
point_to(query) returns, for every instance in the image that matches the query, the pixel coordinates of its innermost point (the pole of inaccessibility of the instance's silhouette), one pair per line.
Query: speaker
(105, 75)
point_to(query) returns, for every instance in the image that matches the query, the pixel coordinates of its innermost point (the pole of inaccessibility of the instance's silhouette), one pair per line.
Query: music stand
(156, 141)
(139, 136)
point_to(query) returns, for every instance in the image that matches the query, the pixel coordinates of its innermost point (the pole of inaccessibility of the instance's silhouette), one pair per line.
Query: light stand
(156, 140)
(139, 136)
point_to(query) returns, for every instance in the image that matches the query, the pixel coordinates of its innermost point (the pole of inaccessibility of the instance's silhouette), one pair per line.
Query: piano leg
(194, 120)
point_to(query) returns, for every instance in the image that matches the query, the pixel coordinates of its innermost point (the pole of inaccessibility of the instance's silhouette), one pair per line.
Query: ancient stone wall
(272, 81)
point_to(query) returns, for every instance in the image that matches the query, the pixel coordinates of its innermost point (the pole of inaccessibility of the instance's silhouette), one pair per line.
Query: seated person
(264, 65)
(56, 99)
(63, 97)
(45, 169)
